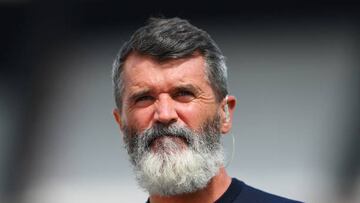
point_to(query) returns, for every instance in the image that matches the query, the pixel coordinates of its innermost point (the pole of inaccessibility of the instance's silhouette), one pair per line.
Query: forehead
(145, 71)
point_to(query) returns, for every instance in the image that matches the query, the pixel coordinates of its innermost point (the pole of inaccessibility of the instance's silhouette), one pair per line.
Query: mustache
(160, 130)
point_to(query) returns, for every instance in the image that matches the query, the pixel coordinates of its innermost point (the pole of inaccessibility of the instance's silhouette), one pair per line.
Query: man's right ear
(117, 116)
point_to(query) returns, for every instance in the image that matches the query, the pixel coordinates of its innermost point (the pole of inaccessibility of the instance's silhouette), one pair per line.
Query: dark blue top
(239, 192)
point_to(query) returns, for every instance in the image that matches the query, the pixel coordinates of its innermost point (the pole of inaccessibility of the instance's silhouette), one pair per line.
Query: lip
(158, 142)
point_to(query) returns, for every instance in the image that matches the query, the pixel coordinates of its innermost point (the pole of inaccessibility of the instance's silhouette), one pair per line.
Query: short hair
(172, 38)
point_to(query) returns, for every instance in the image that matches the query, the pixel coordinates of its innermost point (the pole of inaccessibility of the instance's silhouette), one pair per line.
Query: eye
(184, 96)
(144, 101)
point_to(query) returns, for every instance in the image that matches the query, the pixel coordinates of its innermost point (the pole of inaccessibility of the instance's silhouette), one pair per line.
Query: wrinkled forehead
(140, 67)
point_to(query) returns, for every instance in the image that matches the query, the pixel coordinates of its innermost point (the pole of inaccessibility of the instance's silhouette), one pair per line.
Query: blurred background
(293, 66)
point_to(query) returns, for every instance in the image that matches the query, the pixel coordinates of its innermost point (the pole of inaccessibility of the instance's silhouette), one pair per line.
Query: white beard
(181, 171)
(174, 169)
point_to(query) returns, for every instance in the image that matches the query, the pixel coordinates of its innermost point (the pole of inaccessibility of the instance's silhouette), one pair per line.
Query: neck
(216, 187)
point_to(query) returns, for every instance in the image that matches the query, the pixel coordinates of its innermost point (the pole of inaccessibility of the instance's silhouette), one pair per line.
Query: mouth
(168, 143)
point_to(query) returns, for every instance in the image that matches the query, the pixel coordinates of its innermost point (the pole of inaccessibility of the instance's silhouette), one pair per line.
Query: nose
(165, 112)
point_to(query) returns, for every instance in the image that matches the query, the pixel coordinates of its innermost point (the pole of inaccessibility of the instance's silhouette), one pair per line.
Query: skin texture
(173, 91)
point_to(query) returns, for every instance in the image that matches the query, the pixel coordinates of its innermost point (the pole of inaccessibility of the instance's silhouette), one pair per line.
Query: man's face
(171, 123)
(175, 91)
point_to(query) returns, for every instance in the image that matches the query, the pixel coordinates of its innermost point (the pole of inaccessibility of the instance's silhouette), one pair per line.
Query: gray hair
(171, 39)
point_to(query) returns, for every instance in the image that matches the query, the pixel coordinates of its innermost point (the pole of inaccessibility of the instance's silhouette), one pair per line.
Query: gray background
(295, 76)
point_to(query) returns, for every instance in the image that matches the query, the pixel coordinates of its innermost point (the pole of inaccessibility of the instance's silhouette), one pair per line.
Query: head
(173, 38)
(172, 105)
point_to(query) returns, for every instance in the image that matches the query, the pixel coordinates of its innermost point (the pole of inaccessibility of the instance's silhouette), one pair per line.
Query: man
(170, 86)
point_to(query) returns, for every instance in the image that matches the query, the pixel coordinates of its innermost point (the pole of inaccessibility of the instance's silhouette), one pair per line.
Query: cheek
(140, 119)
(194, 115)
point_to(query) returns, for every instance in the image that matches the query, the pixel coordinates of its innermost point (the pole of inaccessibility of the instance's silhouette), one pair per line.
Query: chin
(177, 171)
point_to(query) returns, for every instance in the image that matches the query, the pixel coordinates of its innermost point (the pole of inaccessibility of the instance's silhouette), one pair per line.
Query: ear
(227, 117)
(117, 116)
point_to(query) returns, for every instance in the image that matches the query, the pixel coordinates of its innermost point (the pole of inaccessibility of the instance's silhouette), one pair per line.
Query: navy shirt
(239, 192)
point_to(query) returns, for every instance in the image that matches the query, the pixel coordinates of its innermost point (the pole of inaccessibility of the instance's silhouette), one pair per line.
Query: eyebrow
(187, 87)
(148, 91)
(140, 93)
